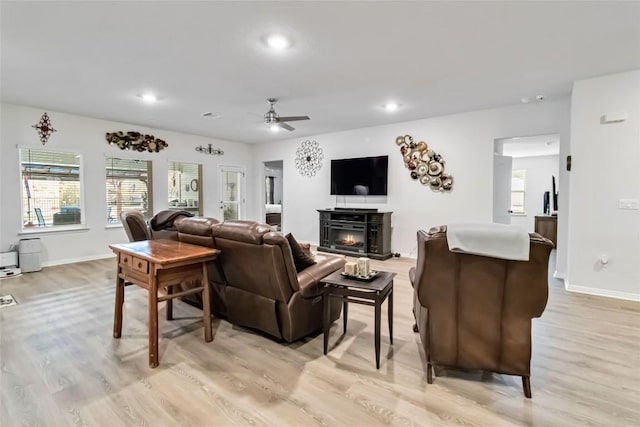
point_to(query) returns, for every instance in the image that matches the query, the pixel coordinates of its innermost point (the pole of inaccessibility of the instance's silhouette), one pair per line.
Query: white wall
(276, 173)
(605, 169)
(87, 136)
(466, 142)
(538, 180)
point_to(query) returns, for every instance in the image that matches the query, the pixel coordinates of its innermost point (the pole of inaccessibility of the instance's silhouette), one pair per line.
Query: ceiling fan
(272, 118)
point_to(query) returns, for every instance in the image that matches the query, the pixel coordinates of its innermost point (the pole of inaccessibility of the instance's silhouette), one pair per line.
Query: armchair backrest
(255, 259)
(135, 225)
(480, 308)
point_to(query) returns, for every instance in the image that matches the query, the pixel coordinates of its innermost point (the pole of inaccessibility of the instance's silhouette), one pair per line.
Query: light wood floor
(60, 365)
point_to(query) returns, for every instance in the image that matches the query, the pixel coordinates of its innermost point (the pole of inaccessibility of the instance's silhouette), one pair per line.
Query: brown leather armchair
(263, 290)
(135, 225)
(475, 312)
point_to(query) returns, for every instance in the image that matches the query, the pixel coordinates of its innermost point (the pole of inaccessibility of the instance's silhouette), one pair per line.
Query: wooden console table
(158, 264)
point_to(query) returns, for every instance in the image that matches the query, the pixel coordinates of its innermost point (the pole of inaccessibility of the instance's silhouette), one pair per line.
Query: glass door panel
(231, 191)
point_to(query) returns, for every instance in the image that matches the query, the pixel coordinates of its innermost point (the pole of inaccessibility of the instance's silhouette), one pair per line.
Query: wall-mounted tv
(363, 176)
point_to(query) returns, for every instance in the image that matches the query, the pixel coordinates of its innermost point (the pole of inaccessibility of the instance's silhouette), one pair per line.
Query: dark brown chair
(474, 312)
(135, 225)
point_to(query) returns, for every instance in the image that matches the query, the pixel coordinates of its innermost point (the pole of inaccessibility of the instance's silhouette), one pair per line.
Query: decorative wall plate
(424, 164)
(136, 141)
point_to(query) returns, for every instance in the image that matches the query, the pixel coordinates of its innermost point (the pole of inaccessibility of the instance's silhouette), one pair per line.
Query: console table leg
(153, 321)
(206, 304)
(325, 319)
(345, 313)
(169, 303)
(117, 315)
(377, 332)
(390, 314)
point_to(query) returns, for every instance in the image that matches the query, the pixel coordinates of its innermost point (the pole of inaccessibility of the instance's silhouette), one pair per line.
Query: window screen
(51, 184)
(128, 187)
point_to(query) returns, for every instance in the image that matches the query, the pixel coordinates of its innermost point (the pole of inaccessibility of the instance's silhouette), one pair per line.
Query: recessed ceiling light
(391, 106)
(149, 98)
(274, 128)
(278, 42)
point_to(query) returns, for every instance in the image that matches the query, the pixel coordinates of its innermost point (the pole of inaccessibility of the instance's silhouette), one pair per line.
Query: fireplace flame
(349, 240)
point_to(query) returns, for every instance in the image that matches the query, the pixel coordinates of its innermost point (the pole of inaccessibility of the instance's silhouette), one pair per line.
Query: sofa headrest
(197, 225)
(241, 231)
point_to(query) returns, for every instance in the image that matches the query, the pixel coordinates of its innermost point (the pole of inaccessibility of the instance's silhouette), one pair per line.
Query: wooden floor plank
(59, 365)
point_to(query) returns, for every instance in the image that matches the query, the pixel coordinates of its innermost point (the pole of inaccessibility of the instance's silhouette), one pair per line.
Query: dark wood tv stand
(355, 232)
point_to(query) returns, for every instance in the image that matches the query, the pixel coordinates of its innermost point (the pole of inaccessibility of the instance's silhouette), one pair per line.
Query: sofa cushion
(300, 258)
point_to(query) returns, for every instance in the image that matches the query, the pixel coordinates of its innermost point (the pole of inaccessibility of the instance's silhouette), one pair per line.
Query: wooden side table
(367, 293)
(157, 264)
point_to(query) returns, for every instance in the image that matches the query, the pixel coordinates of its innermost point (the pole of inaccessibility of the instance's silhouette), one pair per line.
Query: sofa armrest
(309, 278)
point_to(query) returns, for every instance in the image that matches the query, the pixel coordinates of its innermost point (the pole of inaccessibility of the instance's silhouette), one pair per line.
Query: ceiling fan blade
(286, 126)
(292, 118)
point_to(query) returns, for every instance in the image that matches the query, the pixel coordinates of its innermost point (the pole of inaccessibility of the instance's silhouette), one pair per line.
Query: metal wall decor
(210, 150)
(425, 165)
(136, 141)
(309, 158)
(44, 128)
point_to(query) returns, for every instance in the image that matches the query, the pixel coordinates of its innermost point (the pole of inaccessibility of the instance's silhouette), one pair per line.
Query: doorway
(232, 197)
(273, 193)
(526, 173)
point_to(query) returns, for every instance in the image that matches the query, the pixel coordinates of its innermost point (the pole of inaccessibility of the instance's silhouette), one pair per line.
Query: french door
(232, 181)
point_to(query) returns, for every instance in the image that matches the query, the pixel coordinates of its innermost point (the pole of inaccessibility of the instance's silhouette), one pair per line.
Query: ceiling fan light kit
(272, 119)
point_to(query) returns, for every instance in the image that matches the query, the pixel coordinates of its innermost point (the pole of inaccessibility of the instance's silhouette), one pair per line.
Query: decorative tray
(372, 275)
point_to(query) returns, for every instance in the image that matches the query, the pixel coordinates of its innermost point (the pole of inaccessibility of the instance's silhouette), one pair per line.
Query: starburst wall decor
(44, 128)
(309, 158)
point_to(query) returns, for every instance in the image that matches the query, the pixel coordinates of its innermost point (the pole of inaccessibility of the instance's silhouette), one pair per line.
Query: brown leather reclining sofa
(254, 281)
(474, 311)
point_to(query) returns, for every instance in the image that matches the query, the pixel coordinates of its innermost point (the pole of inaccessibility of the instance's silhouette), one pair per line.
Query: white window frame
(52, 228)
(150, 198)
(200, 200)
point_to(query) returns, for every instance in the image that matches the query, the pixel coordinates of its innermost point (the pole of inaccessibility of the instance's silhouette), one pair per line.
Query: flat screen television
(363, 176)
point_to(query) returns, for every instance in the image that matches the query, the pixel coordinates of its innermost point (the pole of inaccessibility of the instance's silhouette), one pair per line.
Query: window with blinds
(128, 187)
(518, 185)
(51, 188)
(185, 188)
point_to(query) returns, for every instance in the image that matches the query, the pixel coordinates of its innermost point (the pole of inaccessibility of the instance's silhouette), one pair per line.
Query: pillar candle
(350, 268)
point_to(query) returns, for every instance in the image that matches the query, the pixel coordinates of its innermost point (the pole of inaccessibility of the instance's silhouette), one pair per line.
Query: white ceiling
(348, 58)
(530, 146)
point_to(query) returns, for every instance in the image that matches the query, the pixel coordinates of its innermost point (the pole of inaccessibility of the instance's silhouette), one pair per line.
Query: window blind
(51, 187)
(518, 185)
(128, 187)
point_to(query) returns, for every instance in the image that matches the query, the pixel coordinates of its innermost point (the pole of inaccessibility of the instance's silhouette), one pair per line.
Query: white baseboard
(78, 259)
(601, 292)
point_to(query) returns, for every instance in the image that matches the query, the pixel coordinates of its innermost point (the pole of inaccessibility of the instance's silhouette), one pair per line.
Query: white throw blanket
(487, 239)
